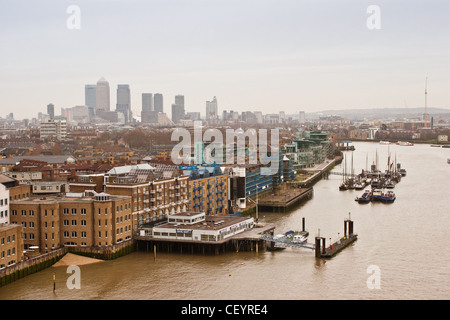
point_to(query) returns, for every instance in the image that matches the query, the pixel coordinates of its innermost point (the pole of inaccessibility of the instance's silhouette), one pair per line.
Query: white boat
(404, 143)
(385, 142)
(299, 239)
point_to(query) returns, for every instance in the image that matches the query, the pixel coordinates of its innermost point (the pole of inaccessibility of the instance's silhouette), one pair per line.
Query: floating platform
(336, 247)
(322, 251)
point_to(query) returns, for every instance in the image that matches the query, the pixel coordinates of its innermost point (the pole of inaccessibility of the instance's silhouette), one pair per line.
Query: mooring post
(54, 282)
(345, 228)
(154, 252)
(317, 247)
(303, 224)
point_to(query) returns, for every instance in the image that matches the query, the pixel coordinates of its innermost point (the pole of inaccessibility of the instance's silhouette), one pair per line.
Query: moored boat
(390, 184)
(366, 197)
(377, 194)
(404, 143)
(388, 196)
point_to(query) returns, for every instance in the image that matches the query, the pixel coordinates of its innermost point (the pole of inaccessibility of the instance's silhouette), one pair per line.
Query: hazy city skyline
(253, 55)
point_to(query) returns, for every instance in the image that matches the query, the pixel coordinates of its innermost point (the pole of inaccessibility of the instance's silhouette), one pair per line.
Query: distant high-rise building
(53, 129)
(90, 98)
(51, 111)
(179, 100)
(158, 102)
(178, 111)
(102, 102)
(301, 117)
(211, 109)
(147, 102)
(124, 101)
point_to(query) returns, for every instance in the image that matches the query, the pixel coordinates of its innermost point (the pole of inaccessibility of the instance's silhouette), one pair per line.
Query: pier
(249, 240)
(322, 251)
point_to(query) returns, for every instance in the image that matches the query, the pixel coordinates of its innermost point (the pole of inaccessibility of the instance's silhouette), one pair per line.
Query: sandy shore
(71, 259)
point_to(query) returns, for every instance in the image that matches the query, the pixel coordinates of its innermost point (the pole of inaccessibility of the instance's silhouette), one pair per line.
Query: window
(83, 211)
(74, 222)
(66, 234)
(66, 211)
(74, 211)
(83, 234)
(74, 234)
(66, 222)
(31, 213)
(24, 212)
(83, 222)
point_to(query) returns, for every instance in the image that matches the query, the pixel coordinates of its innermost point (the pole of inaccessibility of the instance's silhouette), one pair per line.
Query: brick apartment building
(88, 220)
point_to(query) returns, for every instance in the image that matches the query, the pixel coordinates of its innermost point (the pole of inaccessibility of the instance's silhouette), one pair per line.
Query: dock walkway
(285, 199)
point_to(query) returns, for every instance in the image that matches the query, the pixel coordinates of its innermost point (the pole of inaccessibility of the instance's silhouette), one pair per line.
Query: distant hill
(400, 113)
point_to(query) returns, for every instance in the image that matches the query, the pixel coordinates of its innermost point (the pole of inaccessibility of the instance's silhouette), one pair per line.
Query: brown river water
(406, 241)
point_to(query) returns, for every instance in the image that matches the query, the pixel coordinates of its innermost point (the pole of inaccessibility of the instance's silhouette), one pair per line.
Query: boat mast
(425, 116)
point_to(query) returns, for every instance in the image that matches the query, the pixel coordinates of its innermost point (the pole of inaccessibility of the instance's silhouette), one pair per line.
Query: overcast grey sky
(267, 55)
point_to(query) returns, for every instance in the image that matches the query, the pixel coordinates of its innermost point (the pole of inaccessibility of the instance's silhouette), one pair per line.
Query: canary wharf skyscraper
(158, 102)
(90, 98)
(124, 101)
(102, 102)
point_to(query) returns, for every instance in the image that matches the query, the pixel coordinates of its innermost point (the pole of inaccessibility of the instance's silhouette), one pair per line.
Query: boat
(390, 184)
(448, 160)
(388, 196)
(385, 142)
(343, 187)
(365, 198)
(377, 194)
(435, 145)
(297, 236)
(299, 239)
(404, 143)
(359, 185)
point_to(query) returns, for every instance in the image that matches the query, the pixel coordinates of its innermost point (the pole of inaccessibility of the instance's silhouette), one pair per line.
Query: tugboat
(365, 198)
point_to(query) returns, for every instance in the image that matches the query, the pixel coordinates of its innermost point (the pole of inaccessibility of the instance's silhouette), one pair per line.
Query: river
(405, 242)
